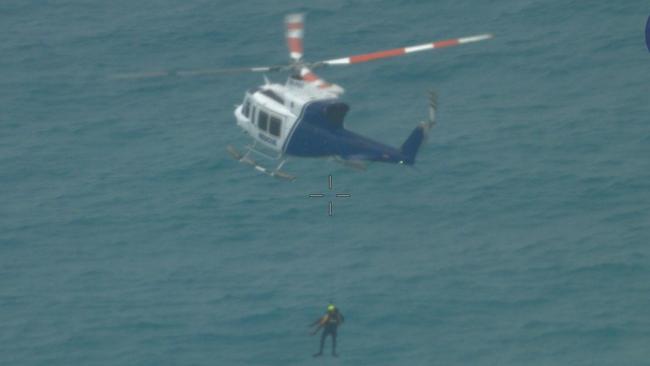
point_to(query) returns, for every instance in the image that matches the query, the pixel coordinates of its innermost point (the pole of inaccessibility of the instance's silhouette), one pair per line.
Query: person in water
(330, 323)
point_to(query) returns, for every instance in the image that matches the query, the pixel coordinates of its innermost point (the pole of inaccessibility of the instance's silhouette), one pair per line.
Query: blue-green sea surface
(128, 236)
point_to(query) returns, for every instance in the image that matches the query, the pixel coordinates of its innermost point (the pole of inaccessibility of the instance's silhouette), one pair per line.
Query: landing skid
(246, 158)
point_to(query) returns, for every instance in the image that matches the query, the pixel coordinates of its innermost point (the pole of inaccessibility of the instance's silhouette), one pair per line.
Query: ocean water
(128, 236)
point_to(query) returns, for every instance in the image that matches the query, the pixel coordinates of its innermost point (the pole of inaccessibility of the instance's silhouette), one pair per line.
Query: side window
(274, 126)
(262, 120)
(252, 115)
(246, 109)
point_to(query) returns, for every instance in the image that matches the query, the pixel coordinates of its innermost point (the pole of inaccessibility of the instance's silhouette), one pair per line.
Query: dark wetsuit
(332, 321)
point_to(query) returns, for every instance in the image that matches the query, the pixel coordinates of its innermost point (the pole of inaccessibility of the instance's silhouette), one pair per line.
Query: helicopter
(304, 116)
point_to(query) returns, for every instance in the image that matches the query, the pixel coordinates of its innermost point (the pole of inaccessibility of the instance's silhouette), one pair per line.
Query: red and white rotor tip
(312, 79)
(404, 50)
(295, 24)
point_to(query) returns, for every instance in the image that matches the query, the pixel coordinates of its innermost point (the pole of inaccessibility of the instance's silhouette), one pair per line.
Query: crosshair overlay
(330, 210)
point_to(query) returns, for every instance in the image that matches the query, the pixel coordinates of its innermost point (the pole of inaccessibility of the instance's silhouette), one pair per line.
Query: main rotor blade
(295, 24)
(402, 51)
(311, 78)
(200, 72)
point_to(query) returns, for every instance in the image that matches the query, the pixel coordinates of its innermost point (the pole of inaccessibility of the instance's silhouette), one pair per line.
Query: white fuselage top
(270, 112)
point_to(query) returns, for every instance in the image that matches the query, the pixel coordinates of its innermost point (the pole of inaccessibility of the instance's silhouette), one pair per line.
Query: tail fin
(412, 144)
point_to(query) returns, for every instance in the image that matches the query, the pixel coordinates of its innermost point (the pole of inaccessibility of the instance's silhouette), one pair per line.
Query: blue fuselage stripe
(293, 128)
(315, 135)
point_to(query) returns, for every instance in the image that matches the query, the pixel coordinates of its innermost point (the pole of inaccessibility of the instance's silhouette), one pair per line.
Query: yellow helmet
(331, 308)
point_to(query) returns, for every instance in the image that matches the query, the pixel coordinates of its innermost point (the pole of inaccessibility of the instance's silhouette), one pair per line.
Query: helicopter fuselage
(298, 120)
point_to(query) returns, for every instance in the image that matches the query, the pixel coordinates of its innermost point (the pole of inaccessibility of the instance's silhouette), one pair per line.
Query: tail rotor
(433, 104)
